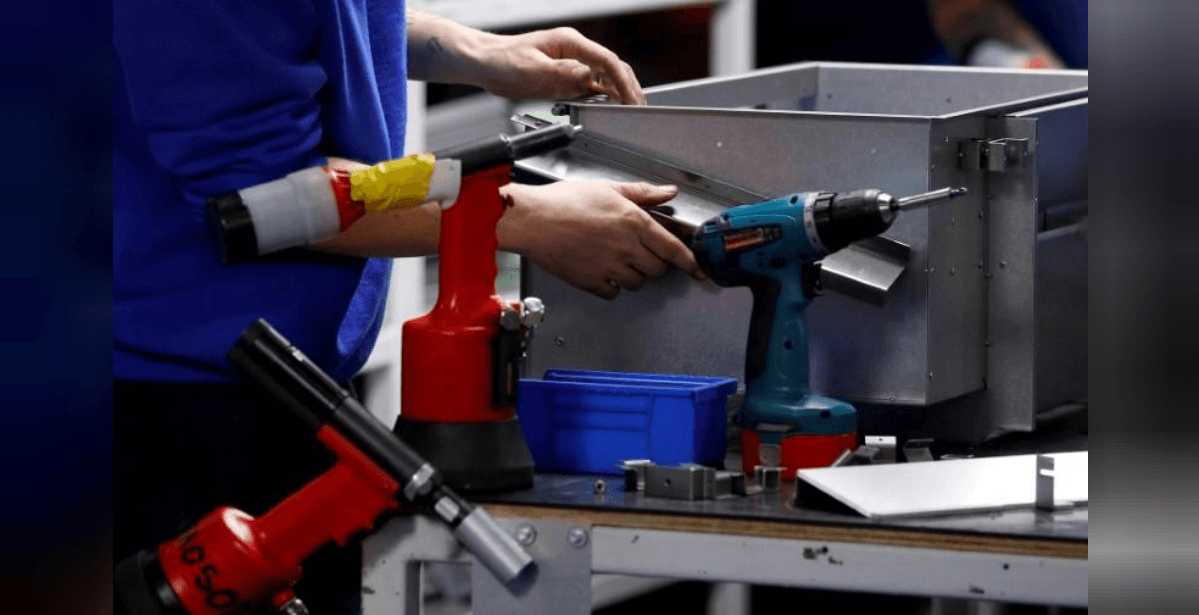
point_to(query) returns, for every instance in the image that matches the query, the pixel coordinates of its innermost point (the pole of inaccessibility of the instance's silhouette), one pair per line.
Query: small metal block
(729, 484)
(918, 449)
(577, 537)
(682, 483)
(885, 446)
(863, 456)
(634, 474)
(1045, 486)
(526, 534)
(769, 478)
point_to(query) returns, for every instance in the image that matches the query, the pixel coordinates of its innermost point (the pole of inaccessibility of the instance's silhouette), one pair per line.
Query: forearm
(442, 51)
(392, 233)
(961, 23)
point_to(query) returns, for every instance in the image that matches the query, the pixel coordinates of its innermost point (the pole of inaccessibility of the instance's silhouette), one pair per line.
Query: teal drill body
(768, 247)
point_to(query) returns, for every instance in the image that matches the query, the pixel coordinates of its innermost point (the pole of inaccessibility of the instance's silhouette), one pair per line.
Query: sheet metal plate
(954, 486)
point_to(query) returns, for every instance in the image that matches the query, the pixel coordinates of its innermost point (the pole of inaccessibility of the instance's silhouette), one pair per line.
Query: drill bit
(927, 198)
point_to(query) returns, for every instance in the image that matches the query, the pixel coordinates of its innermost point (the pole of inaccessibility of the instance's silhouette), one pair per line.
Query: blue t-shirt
(212, 96)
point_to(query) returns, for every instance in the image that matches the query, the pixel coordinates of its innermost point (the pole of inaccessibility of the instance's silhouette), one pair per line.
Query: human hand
(594, 234)
(560, 63)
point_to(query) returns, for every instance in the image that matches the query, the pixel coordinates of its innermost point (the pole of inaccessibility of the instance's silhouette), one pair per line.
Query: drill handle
(776, 353)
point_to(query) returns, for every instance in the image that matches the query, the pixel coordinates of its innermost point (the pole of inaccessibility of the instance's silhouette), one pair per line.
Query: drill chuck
(842, 218)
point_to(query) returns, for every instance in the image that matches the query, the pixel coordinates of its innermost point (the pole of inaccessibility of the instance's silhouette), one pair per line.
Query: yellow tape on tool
(403, 182)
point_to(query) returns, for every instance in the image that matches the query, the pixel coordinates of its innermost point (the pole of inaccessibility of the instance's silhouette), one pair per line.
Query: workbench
(573, 530)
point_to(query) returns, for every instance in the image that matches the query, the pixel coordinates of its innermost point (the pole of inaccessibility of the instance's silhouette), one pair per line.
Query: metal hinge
(993, 155)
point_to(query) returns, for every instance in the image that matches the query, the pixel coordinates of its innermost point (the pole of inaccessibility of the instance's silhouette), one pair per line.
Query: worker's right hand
(594, 234)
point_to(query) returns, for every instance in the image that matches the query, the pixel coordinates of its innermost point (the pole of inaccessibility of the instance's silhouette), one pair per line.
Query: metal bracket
(529, 122)
(918, 449)
(560, 582)
(865, 270)
(885, 446)
(688, 481)
(1046, 498)
(997, 155)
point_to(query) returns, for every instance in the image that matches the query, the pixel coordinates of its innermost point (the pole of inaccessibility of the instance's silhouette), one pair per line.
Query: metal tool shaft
(927, 198)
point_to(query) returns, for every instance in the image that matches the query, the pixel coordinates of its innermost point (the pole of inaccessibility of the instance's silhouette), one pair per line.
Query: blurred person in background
(1013, 33)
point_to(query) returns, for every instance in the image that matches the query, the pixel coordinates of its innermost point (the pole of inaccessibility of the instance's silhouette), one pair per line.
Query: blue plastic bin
(589, 421)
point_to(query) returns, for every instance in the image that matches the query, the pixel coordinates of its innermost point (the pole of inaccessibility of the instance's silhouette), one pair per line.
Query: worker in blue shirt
(212, 96)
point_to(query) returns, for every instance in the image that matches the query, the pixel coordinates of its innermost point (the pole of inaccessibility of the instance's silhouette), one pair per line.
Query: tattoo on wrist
(434, 46)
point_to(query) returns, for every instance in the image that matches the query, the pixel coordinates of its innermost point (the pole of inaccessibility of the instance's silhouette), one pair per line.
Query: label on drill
(737, 241)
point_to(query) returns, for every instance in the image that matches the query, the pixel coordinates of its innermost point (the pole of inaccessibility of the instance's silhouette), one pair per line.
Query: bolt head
(533, 312)
(577, 537)
(526, 535)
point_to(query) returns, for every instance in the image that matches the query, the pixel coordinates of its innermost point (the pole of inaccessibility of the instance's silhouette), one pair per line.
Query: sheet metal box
(986, 326)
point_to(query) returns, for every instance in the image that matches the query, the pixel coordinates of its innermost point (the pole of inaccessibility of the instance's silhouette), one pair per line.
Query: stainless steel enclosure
(984, 328)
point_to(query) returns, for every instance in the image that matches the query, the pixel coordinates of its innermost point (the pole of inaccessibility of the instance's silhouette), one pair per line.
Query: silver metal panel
(770, 152)
(956, 246)
(932, 91)
(1061, 129)
(675, 327)
(925, 91)
(1061, 316)
(391, 562)
(865, 270)
(842, 566)
(788, 88)
(1011, 293)
(559, 583)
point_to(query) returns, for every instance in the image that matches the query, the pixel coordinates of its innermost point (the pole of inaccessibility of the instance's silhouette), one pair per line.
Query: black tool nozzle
(502, 149)
(271, 360)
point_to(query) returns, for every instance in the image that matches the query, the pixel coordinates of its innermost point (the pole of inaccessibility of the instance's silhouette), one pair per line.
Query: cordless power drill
(775, 247)
(230, 563)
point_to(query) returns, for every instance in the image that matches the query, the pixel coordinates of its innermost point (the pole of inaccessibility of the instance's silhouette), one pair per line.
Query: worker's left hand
(594, 235)
(559, 64)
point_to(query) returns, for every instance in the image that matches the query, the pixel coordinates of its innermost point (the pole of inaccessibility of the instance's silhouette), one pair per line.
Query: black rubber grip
(142, 589)
(232, 228)
(505, 149)
(269, 358)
